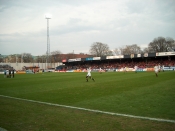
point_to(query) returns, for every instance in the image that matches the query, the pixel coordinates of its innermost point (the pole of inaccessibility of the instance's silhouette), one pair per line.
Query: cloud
(77, 24)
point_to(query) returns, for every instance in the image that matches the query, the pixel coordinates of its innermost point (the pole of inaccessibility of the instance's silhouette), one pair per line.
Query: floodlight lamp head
(48, 16)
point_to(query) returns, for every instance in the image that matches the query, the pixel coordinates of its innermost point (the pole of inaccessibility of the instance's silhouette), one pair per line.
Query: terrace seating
(119, 65)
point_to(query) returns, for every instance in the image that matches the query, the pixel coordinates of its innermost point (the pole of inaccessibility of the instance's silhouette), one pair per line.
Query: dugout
(32, 68)
(61, 67)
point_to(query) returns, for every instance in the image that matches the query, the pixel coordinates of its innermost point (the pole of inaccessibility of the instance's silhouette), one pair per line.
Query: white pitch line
(96, 111)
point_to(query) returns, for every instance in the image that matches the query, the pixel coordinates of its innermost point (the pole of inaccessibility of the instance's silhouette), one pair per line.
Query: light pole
(48, 16)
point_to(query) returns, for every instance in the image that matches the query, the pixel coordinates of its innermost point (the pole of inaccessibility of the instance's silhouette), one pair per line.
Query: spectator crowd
(119, 64)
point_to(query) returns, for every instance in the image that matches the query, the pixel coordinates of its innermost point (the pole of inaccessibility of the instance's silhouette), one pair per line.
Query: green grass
(140, 94)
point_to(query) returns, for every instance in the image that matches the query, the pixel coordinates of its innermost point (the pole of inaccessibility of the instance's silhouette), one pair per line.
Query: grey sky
(76, 24)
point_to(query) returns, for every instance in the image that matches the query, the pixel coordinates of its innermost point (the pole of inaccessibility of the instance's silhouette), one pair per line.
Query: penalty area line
(91, 110)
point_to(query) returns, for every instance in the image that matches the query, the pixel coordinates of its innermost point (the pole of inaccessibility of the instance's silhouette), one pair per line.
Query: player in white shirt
(156, 70)
(100, 70)
(163, 68)
(135, 67)
(159, 67)
(125, 69)
(89, 74)
(7, 73)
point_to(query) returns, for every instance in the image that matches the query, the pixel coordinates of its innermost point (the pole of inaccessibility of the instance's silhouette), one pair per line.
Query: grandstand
(111, 63)
(144, 62)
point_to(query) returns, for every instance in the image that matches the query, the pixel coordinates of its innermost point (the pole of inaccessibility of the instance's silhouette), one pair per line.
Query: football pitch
(66, 102)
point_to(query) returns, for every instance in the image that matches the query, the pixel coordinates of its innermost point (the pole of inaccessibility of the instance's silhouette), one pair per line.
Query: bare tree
(43, 58)
(146, 50)
(109, 53)
(56, 56)
(170, 44)
(130, 49)
(117, 51)
(99, 49)
(55, 52)
(136, 49)
(13, 58)
(39, 59)
(1, 58)
(26, 58)
(161, 44)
